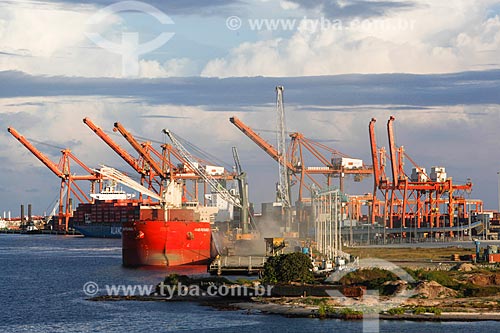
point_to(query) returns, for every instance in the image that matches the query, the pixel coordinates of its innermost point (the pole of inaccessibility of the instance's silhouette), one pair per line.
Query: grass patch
(371, 278)
(396, 311)
(315, 301)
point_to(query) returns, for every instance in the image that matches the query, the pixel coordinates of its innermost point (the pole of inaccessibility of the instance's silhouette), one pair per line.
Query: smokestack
(22, 214)
(9, 215)
(30, 219)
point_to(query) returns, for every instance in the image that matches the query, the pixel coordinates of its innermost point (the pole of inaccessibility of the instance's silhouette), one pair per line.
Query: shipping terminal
(180, 207)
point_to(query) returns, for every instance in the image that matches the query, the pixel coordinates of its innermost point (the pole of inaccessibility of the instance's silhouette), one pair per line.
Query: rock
(465, 267)
(481, 280)
(432, 289)
(484, 280)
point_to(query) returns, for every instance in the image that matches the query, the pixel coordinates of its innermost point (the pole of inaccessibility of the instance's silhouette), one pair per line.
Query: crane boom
(121, 178)
(374, 151)
(113, 145)
(38, 154)
(268, 148)
(243, 191)
(137, 146)
(284, 183)
(190, 160)
(236, 158)
(63, 171)
(392, 151)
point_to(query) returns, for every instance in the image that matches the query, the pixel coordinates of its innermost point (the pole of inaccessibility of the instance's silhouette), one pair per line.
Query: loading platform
(234, 265)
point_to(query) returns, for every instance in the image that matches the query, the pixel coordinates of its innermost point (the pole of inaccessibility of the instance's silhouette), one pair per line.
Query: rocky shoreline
(312, 312)
(290, 308)
(463, 293)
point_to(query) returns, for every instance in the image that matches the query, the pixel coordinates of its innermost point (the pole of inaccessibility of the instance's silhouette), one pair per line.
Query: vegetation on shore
(288, 268)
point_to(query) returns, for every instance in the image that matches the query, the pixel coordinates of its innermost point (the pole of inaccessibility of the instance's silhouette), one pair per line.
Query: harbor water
(41, 288)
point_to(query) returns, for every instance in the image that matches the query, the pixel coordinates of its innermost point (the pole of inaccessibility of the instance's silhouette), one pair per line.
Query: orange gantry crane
(68, 180)
(295, 162)
(301, 150)
(165, 168)
(418, 201)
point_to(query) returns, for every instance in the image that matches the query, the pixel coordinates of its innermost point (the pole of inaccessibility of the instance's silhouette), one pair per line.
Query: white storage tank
(438, 174)
(348, 163)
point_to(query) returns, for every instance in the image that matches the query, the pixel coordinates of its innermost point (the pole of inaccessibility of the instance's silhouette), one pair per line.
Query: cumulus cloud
(431, 37)
(171, 68)
(48, 39)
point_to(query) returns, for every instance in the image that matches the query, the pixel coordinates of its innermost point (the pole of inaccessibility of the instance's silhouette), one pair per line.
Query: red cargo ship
(178, 234)
(153, 241)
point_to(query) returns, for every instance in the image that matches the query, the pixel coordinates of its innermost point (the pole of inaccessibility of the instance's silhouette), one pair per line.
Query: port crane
(246, 218)
(416, 201)
(284, 194)
(138, 164)
(163, 174)
(68, 180)
(297, 162)
(161, 166)
(200, 170)
(300, 149)
(240, 202)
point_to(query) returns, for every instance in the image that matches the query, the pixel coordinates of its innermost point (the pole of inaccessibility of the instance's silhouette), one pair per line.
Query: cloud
(41, 38)
(440, 119)
(176, 67)
(184, 7)
(240, 94)
(430, 37)
(354, 8)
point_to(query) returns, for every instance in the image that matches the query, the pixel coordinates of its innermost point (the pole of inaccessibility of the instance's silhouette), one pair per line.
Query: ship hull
(100, 230)
(165, 243)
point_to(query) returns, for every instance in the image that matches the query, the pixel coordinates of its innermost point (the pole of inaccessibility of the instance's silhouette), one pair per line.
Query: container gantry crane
(300, 149)
(138, 164)
(68, 180)
(415, 203)
(164, 168)
(296, 158)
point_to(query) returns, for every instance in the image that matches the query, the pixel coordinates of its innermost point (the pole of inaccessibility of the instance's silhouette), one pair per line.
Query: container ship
(105, 217)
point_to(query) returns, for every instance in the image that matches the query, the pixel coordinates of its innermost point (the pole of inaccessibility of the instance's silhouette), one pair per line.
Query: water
(41, 280)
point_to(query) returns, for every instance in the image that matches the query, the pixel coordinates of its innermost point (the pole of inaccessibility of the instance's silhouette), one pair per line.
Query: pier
(230, 265)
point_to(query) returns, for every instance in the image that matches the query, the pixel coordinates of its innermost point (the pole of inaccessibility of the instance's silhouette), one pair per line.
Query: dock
(234, 265)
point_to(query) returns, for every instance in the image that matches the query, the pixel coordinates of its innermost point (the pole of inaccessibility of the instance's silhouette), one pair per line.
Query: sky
(190, 65)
